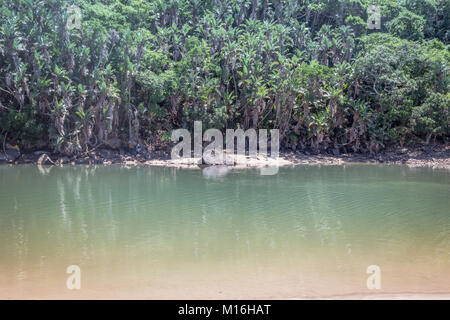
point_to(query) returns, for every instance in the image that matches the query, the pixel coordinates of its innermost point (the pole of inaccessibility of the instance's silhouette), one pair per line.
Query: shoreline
(95, 295)
(437, 157)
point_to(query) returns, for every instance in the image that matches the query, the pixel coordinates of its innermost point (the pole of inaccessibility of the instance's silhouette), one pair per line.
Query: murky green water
(171, 233)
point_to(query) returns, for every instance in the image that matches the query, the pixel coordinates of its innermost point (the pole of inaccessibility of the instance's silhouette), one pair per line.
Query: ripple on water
(306, 231)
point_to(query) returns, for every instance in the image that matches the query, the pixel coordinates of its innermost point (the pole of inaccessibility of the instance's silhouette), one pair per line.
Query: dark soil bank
(436, 156)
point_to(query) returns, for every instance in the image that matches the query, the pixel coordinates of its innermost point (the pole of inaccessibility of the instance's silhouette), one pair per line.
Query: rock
(63, 160)
(44, 159)
(10, 155)
(82, 161)
(41, 152)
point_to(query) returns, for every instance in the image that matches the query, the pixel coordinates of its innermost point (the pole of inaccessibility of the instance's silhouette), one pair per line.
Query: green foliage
(23, 126)
(137, 68)
(432, 117)
(407, 25)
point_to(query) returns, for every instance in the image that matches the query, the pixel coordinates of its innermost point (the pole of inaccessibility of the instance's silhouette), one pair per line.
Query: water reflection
(126, 224)
(214, 172)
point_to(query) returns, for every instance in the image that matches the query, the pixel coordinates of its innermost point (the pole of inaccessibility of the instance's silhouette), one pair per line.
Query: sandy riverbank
(434, 157)
(117, 296)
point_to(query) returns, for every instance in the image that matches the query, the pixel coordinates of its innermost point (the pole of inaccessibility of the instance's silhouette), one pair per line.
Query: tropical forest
(351, 75)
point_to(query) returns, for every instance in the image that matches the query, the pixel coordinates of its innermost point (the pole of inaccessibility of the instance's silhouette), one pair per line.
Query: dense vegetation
(136, 69)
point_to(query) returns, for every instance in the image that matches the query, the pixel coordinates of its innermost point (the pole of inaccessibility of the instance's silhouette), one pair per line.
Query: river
(167, 233)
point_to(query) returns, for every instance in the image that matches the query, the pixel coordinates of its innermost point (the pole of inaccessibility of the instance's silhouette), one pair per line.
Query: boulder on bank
(45, 159)
(63, 160)
(41, 152)
(10, 154)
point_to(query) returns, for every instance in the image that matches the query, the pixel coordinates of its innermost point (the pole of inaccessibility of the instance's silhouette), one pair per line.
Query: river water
(154, 232)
